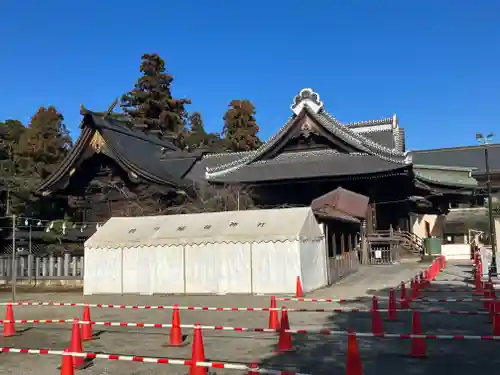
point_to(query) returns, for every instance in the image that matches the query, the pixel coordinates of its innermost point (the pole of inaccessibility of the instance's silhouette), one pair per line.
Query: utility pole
(493, 268)
(14, 265)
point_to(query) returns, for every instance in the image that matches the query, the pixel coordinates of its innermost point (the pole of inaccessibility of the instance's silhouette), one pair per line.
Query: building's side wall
(497, 232)
(425, 225)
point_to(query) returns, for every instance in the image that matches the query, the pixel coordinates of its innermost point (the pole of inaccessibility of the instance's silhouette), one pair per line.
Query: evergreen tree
(197, 137)
(42, 146)
(10, 133)
(240, 127)
(151, 103)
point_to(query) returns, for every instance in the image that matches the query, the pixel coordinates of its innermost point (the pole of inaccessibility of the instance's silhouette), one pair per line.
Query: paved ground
(314, 354)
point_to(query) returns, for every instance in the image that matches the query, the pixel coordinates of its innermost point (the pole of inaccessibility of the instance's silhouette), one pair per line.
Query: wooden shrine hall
(116, 169)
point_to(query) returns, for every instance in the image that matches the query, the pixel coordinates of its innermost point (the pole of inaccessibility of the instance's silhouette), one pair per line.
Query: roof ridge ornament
(306, 97)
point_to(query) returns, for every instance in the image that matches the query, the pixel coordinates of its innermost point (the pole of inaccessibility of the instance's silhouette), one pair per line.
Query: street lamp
(485, 141)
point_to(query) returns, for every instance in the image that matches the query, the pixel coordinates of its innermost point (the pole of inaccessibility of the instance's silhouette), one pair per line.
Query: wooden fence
(30, 267)
(341, 266)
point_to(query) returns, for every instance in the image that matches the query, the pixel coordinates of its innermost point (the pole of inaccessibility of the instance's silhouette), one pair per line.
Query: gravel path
(314, 354)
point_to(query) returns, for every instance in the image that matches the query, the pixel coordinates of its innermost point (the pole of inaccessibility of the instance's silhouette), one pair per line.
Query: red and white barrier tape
(428, 337)
(423, 299)
(138, 307)
(115, 357)
(207, 308)
(320, 331)
(455, 299)
(447, 290)
(336, 300)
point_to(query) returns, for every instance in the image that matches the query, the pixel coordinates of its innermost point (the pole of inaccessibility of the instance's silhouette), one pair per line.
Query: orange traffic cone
(285, 337)
(87, 334)
(496, 318)
(176, 338)
(403, 301)
(478, 285)
(299, 292)
(421, 280)
(198, 352)
(251, 369)
(377, 328)
(353, 362)
(273, 315)
(487, 296)
(9, 329)
(75, 345)
(418, 348)
(414, 289)
(67, 364)
(392, 305)
(427, 277)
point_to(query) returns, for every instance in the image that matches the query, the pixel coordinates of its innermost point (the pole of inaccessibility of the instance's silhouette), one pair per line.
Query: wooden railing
(393, 244)
(412, 242)
(29, 267)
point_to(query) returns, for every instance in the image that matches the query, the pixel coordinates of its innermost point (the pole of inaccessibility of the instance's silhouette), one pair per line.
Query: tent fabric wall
(313, 265)
(254, 251)
(275, 267)
(104, 272)
(218, 268)
(166, 270)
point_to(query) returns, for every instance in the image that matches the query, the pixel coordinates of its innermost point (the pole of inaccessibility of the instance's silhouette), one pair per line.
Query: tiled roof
(384, 137)
(384, 131)
(357, 139)
(355, 136)
(370, 123)
(449, 176)
(302, 164)
(154, 159)
(137, 152)
(469, 156)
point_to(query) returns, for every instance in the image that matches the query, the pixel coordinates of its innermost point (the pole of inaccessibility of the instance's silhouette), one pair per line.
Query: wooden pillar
(334, 244)
(364, 243)
(371, 218)
(326, 234)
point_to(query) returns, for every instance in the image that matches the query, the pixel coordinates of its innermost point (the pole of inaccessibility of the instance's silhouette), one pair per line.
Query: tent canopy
(228, 226)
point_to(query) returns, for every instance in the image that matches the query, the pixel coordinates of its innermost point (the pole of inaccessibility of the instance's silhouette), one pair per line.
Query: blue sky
(434, 63)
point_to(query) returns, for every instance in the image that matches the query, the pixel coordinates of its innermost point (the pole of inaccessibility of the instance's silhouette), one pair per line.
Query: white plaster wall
(436, 224)
(456, 251)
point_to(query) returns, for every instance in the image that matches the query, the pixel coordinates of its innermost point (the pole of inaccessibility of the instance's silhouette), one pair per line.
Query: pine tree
(240, 127)
(10, 133)
(43, 145)
(197, 137)
(150, 102)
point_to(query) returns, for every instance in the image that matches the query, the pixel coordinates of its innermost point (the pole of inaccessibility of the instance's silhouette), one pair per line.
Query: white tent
(254, 251)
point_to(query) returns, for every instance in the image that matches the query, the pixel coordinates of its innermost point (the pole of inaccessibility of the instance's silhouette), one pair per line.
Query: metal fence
(30, 267)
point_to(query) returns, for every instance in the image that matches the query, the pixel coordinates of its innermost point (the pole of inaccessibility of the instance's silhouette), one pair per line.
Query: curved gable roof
(140, 154)
(356, 139)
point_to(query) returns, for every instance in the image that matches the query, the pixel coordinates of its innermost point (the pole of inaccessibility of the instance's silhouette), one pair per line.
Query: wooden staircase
(411, 242)
(405, 244)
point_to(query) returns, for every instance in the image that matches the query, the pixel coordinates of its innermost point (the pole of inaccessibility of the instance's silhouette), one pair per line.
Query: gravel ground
(313, 354)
